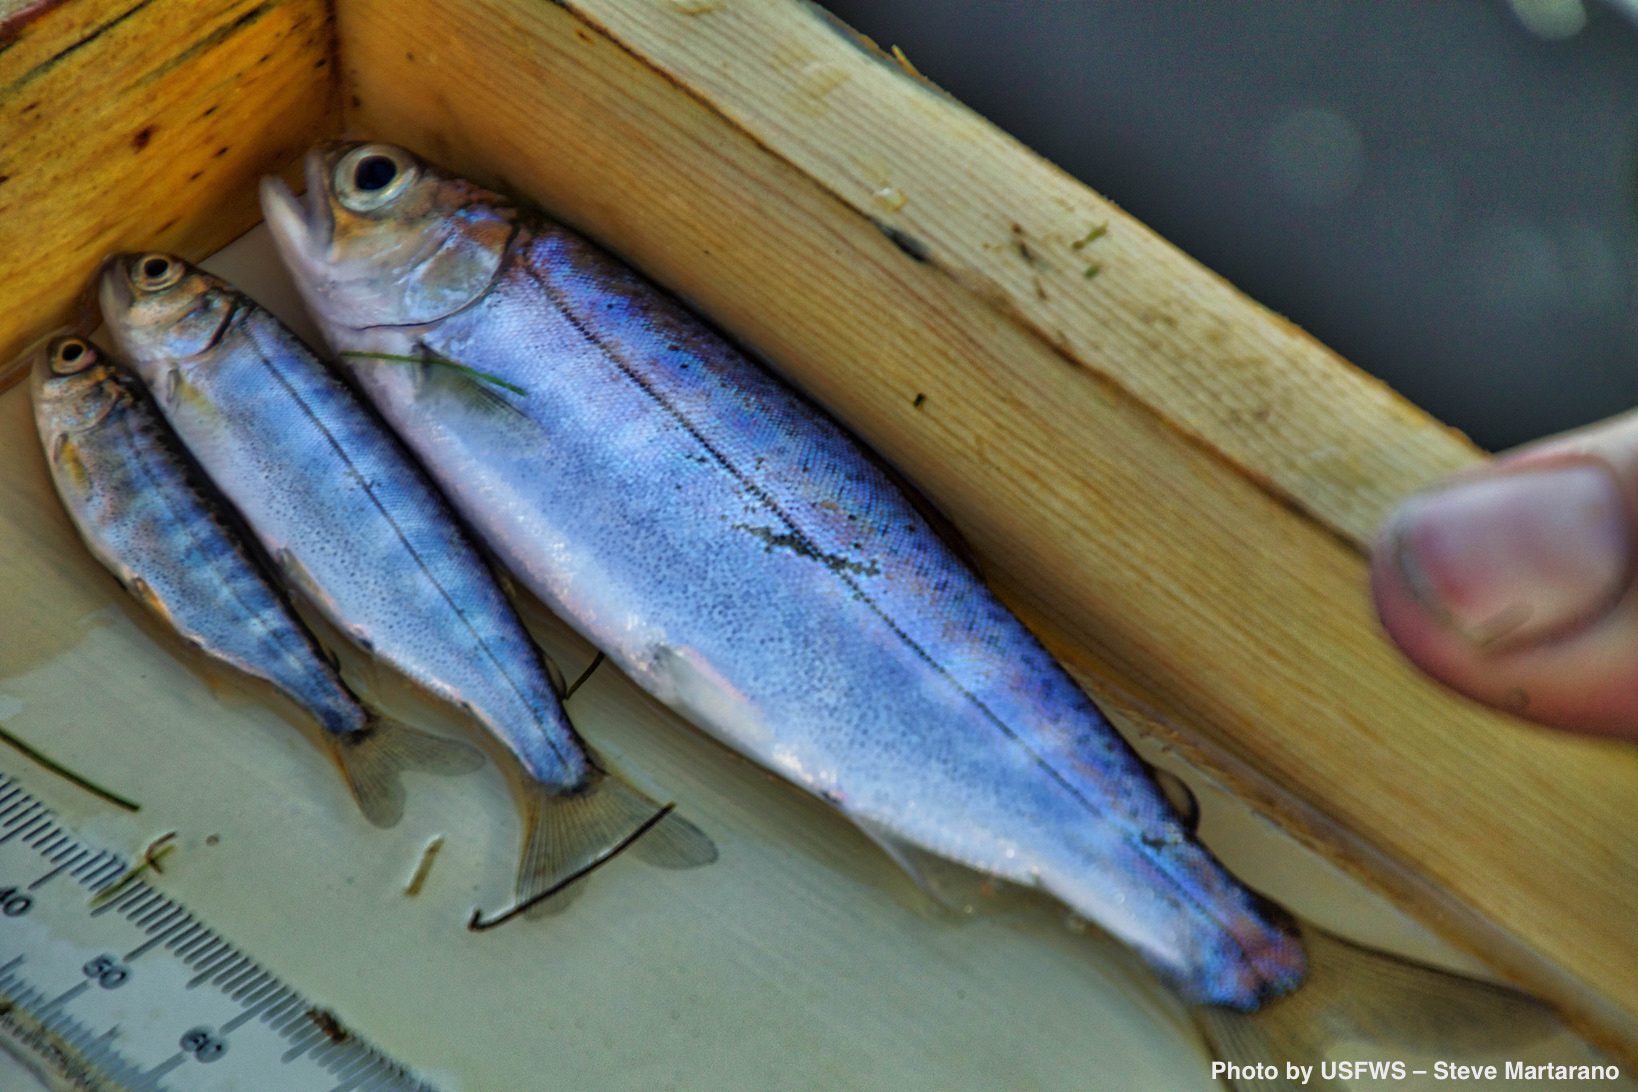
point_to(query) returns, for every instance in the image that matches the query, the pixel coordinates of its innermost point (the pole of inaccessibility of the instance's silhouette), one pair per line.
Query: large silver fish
(742, 558)
(356, 529)
(736, 553)
(153, 520)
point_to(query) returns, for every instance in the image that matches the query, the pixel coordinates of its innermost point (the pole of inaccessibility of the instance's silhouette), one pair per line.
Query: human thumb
(1514, 583)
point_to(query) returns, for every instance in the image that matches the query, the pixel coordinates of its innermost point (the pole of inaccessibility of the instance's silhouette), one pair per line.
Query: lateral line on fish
(363, 482)
(564, 308)
(180, 520)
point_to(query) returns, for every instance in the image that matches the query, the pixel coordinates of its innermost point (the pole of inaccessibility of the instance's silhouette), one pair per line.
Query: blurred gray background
(1445, 192)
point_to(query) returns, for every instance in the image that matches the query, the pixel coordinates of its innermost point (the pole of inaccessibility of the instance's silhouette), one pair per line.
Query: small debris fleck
(140, 139)
(890, 198)
(329, 1024)
(213, 839)
(904, 63)
(1092, 271)
(1096, 232)
(419, 878)
(920, 401)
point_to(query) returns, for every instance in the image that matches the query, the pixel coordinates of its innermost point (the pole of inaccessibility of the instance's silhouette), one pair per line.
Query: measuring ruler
(128, 990)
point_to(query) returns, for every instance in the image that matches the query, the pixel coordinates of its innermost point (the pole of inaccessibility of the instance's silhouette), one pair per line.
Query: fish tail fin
(1367, 1006)
(568, 836)
(372, 759)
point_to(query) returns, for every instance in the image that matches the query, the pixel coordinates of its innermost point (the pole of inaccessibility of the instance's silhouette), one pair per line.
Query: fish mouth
(301, 226)
(114, 291)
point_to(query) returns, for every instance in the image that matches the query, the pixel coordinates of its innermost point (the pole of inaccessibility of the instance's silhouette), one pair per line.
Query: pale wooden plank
(1142, 544)
(128, 124)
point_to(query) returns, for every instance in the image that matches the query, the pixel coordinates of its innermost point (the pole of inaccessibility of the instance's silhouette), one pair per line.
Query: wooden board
(143, 124)
(1169, 483)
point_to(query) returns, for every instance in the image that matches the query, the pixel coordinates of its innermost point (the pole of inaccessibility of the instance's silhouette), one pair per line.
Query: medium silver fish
(354, 527)
(741, 557)
(152, 519)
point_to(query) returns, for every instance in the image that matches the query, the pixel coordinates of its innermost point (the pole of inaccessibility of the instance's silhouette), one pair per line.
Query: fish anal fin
(554, 674)
(301, 582)
(954, 889)
(372, 759)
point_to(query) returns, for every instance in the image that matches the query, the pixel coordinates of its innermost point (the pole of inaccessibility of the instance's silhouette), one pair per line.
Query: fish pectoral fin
(372, 759)
(569, 835)
(954, 888)
(472, 388)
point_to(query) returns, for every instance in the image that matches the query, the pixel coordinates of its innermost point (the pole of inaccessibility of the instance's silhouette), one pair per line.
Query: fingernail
(1516, 556)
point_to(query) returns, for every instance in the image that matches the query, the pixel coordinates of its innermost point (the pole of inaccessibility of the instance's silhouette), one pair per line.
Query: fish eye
(371, 176)
(70, 355)
(155, 272)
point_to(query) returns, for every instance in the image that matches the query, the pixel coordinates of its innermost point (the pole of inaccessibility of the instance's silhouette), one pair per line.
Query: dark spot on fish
(357, 102)
(408, 56)
(31, 107)
(802, 548)
(326, 1021)
(1154, 842)
(209, 110)
(213, 839)
(912, 246)
(584, 35)
(139, 139)
(222, 151)
(4, 178)
(919, 401)
(1024, 251)
(195, 176)
(321, 62)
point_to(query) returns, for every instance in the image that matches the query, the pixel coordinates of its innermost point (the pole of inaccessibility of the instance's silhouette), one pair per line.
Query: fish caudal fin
(1368, 1011)
(567, 836)
(372, 759)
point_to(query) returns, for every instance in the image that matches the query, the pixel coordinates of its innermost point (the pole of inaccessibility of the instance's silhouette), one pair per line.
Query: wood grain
(143, 124)
(1023, 236)
(1170, 484)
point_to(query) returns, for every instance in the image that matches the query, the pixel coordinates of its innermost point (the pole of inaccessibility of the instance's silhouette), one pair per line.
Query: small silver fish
(355, 528)
(151, 518)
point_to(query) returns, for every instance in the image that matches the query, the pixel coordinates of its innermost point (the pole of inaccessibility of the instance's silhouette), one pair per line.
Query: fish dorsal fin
(1181, 798)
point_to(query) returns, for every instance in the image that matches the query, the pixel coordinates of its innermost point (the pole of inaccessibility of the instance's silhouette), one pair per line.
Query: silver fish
(741, 557)
(153, 520)
(738, 554)
(355, 528)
